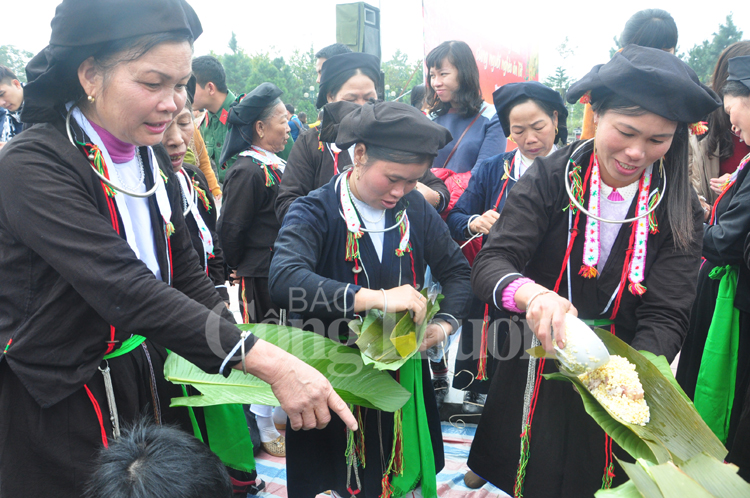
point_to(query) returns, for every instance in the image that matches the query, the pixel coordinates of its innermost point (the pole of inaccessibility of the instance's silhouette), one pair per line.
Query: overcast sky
(281, 26)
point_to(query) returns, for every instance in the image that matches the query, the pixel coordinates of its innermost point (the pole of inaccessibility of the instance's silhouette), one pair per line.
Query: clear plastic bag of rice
(617, 387)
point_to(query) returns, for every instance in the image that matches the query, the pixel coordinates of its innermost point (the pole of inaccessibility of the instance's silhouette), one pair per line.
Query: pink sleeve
(509, 294)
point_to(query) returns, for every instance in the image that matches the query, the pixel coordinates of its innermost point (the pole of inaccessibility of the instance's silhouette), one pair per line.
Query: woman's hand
(717, 184)
(404, 298)
(303, 392)
(435, 334)
(545, 312)
(483, 223)
(430, 195)
(706, 208)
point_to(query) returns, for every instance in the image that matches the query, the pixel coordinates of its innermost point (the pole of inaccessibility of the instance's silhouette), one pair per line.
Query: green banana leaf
(388, 347)
(703, 476)
(354, 381)
(675, 432)
(627, 490)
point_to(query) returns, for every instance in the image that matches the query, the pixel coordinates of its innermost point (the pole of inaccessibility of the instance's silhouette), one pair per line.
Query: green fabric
(599, 322)
(419, 459)
(284, 154)
(714, 392)
(130, 344)
(229, 437)
(214, 132)
(193, 421)
(190, 157)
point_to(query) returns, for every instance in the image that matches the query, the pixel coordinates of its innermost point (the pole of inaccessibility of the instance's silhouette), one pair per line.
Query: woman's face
(382, 184)
(178, 136)
(358, 89)
(738, 109)
(137, 100)
(273, 133)
(444, 80)
(627, 145)
(532, 129)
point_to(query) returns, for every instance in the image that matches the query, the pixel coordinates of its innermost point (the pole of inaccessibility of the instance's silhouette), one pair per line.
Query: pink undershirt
(120, 152)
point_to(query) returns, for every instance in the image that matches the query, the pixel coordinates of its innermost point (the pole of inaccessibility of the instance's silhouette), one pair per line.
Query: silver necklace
(362, 214)
(141, 176)
(103, 178)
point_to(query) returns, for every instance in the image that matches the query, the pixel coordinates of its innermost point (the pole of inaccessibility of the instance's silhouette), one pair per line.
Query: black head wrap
(392, 125)
(242, 118)
(82, 28)
(506, 95)
(332, 116)
(739, 70)
(650, 78)
(340, 63)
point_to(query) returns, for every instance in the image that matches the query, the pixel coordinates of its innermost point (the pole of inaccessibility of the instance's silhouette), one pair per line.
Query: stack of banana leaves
(356, 382)
(676, 454)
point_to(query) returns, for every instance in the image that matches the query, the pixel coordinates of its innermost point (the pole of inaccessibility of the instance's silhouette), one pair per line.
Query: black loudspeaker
(358, 27)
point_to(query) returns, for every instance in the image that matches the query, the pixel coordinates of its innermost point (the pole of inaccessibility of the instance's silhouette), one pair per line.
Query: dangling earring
(511, 139)
(557, 130)
(91, 99)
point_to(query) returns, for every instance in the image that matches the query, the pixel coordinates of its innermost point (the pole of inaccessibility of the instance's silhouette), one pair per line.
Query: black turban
(653, 79)
(504, 96)
(242, 118)
(392, 125)
(80, 29)
(337, 64)
(739, 70)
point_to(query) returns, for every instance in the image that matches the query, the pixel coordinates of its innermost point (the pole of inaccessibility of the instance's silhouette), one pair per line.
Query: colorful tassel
(360, 444)
(396, 463)
(522, 463)
(653, 223)
(7, 346)
(586, 98)
(99, 164)
(588, 272)
(272, 177)
(202, 196)
(699, 128)
(637, 289)
(352, 245)
(169, 228)
(163, 176)
(576, 186)
(404, 245)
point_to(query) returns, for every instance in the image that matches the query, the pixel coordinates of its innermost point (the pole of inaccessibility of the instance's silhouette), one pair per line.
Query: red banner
(503, 50)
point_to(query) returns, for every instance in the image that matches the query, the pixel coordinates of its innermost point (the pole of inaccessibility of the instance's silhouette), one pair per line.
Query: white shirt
(369, 216)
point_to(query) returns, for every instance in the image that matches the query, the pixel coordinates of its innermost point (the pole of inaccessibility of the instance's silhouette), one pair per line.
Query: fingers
(420, 310)
(309, 418)
(558, 325)
(543, 333)
(322, 416)
(337, 404)
(295, 419)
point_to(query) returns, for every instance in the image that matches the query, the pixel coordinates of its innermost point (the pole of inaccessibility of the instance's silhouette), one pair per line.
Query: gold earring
(556, 130)
(91, 99)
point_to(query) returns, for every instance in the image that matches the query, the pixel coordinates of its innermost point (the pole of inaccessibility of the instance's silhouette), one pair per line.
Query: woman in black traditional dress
(258, 130)
(714, 369)
(363, 241)
(97, 259)
(199, 208)
(638, 276)
(353, 78)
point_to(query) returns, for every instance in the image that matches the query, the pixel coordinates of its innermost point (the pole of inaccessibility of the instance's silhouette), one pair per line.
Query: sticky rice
(617, 387)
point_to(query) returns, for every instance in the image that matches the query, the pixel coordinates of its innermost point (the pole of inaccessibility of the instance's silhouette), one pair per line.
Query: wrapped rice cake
(617, 387)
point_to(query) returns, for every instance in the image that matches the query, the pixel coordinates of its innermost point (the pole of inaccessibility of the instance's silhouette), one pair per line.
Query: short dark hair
(151, 461)
(735, 89)
(207, 68)
(417, 96)
(333, 86)
(6, 75)
(331, 50)
(289, 108)
(469, 95)
(653, 28)
(302, 116)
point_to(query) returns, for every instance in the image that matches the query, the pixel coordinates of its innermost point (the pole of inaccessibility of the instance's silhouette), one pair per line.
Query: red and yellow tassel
(352, 246)
(653, 223)
(169, 227)
(588, 271)
(586, 98)
(396, 463)
(699, 128)
(637, 289)
(576, 186)
(482, 363)
(272, 177)
(202, 196)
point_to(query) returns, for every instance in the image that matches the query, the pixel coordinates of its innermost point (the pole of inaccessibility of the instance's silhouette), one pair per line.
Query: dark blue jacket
(481, 195)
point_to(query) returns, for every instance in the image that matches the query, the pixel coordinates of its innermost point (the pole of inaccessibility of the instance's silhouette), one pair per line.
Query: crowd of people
(139, 191)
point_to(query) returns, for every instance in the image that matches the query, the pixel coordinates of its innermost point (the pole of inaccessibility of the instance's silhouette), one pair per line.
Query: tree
(402, 75)
(559, 82)
(16, 59)
(702, 57)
